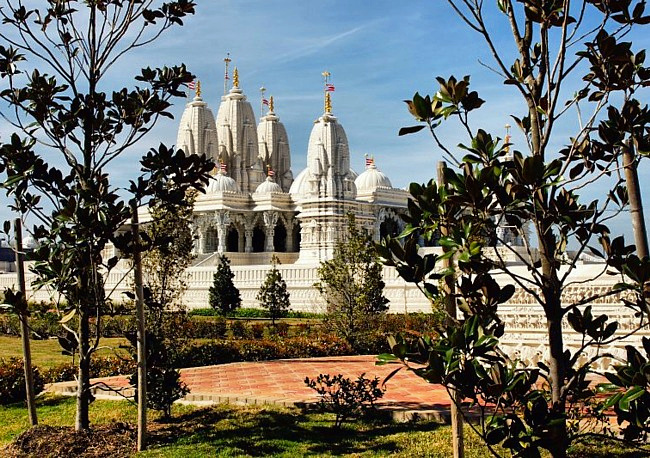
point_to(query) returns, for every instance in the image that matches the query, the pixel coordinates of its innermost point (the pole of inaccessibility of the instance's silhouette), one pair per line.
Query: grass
(227, 430)
(47, 353)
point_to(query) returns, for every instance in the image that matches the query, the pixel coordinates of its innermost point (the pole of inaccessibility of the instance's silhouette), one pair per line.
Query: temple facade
(253, 204)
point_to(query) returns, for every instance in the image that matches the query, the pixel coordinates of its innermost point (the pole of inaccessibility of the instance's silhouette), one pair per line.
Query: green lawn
(228, 430)
(47, 353)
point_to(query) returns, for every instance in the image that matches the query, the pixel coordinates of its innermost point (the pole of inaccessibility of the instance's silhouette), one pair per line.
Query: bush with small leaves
(240, 330)
(12, 381)
(344, 397)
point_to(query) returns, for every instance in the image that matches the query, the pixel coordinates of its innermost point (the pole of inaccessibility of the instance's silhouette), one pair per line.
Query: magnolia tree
(71, 125)
(535, 186)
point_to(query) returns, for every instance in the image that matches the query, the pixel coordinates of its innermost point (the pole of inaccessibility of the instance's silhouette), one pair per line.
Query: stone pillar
(222, 219)
(270, 220)
(290, 228)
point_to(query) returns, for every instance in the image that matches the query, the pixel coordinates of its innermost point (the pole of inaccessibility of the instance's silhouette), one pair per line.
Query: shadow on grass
(262, 432)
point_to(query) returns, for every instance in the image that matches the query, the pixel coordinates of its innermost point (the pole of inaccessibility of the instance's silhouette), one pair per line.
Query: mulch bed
(115, 440)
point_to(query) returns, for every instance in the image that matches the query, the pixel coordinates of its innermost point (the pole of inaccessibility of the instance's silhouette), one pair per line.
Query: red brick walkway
(282, 382)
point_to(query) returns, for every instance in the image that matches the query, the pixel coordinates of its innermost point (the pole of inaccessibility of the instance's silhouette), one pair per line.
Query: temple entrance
(280, 239)
(258, 239)
(211, 240)
(232, 240)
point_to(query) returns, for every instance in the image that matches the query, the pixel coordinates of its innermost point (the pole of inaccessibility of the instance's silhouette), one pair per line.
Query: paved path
(282, 382)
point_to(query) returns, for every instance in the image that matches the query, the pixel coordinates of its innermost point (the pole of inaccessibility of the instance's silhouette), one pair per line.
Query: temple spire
(271, 105)
(328, 103)
(198, 89)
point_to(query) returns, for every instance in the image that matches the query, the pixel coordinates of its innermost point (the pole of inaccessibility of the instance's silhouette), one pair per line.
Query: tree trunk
(636, 205)
(83, 382)
(559, 441)
(24, 328)
(141, 334)
(450, 307)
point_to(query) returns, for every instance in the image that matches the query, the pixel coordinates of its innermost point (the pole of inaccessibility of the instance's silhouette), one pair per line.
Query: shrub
(223, 295)
(12, 381)
(273, 294)
(240, 330)
(279, 329)
(344, 397)
(257, 330)
(164, 386)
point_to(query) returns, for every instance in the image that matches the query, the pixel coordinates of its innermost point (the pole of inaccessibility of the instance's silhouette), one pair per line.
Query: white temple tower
(238, 145)
(274, 147)
(197, 132)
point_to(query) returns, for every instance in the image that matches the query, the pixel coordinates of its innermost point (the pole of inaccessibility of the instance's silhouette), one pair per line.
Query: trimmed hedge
(253, 313)
(12, 381)
(231, 351)
(99, 367)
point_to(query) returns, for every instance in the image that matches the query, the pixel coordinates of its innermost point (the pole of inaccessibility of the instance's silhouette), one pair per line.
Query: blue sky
(379, 53)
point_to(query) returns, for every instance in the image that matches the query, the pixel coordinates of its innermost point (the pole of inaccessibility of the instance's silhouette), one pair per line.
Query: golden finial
(328, 103)
(198, 88)
(271, 104)
(235, 78)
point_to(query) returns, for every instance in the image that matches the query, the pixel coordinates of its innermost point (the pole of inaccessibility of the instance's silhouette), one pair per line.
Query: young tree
(165, 265)
(493, 186)
(352, 287)
(224, 296)
(273, 294)
(53, 65)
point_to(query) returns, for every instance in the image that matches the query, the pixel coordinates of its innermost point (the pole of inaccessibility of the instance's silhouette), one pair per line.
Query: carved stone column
(221, 220)
(290, 222)
(201, 225)
(270, 220)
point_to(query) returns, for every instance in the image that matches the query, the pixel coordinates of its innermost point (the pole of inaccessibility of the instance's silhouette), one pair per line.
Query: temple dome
(220, 183)
(298, 185)
(268, 186)
(372, 179)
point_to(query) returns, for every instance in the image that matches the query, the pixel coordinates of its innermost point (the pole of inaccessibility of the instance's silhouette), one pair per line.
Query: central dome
(372, 179)
(268, 186)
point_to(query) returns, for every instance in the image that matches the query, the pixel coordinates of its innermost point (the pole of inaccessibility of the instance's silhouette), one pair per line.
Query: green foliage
(224, 296)
(352, 286)
(496, 189)
(344, 397)
(273, 294)
(12, 381)
(83, 124)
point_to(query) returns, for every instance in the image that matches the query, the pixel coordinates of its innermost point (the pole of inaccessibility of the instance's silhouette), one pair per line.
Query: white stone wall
(524, 319)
